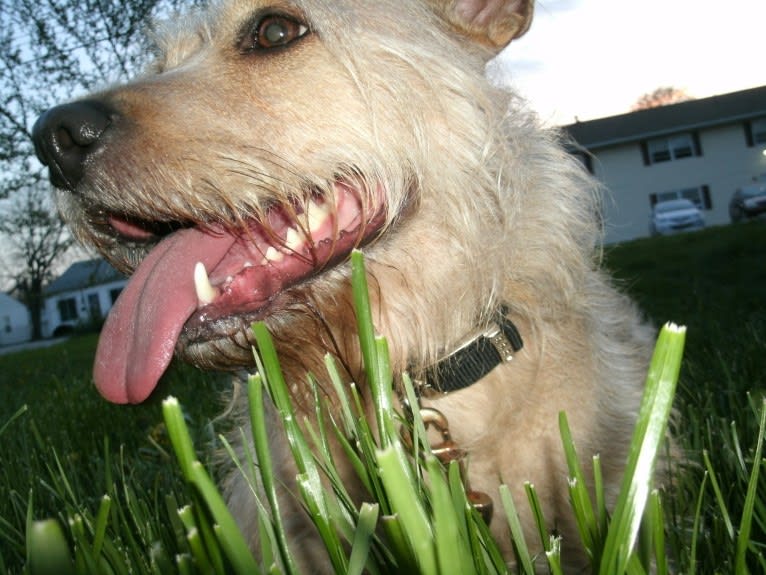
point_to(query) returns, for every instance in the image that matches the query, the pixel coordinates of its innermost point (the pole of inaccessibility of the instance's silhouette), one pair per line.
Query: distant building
(15, 321)
(82, 295)
(701, 149)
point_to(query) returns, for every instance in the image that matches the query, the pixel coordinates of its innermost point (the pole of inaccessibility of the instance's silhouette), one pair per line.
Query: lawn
(62, 448)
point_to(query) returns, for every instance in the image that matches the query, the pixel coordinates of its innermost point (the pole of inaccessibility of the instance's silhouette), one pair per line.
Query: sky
(586, 59)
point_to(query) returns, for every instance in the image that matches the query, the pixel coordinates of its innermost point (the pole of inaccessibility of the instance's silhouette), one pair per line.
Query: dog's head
(269, 139)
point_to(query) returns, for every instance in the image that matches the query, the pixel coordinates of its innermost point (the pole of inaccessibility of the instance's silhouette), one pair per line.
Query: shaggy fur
(482, 207)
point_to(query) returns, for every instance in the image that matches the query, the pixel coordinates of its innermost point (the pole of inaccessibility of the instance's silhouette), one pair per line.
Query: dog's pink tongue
(140, 333)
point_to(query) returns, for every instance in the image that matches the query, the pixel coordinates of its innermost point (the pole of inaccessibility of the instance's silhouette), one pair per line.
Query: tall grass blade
(19, 412)
(48, 549)
(745, 526)
(517, 534)
(265, 464)
(648, 438)
(409, 509)
(229, 535)
(363, 535)
(719, 496)
(309, 476)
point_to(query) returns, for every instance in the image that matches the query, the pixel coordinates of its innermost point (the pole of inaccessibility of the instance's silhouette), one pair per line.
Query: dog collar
(474, 359)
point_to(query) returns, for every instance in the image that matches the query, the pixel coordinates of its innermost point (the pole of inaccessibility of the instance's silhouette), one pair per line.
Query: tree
(50, 52)
(661, 97)
(36, 237)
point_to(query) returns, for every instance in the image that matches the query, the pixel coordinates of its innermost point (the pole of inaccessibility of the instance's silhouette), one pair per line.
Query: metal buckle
(500, 342)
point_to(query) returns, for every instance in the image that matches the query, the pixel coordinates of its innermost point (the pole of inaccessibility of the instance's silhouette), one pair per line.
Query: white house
(82, 295)
(15, 322)
(701, 149)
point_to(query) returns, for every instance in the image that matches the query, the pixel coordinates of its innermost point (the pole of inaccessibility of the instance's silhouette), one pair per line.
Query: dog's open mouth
(195, 278)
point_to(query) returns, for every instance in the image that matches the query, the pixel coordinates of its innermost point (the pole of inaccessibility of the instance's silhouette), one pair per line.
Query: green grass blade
(265, 464)
(365, 531)
(554, 556)
(363, 314)
(719, 496)
(101, 522)
(582, 505)
(230, 536)
(179, 435)
(374, 350)
(19, 412)
(452, 551)
(409, 509)
(537, 513)
(657, 524)
(648, 438)
(745, 526)
(696, 527)
(48, 550)
(517, 533)
(231, 539)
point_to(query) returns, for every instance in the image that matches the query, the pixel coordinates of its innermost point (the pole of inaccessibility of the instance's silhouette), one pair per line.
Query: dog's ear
(493, 23)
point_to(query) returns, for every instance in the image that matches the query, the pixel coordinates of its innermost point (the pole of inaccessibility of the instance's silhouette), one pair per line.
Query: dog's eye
(274, 31)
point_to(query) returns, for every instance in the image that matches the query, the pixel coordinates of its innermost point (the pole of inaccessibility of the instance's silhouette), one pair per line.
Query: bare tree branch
(50, 51)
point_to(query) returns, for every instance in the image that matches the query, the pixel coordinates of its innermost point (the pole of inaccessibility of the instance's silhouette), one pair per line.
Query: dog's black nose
(66, 136)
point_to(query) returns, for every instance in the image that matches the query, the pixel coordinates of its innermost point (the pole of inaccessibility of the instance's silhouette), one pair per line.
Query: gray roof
(8, 299)
(654, 122)
(84, 274)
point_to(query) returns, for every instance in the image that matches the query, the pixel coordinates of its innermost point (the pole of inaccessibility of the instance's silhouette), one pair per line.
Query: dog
(270, 138)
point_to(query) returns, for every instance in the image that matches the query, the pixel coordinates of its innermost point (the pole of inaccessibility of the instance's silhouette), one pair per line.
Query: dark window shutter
(749, 140)
(706, 200)
(652, 199)
(645, 153)
(697, 144)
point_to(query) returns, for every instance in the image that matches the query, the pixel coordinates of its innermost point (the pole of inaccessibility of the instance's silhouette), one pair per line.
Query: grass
(56, 463)
(62, 447)
(714, 282)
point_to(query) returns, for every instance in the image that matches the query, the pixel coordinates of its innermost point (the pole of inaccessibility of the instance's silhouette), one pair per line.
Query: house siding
(82, 295)
(726, 163)
(54, 323)
(15, 323)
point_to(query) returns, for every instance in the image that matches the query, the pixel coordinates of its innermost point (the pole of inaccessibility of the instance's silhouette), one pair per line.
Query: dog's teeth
(316, 215)
(274, 255)
(206, 293)
(293, 240)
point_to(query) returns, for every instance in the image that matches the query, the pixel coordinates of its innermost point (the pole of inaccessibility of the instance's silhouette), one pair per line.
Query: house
(15, 321)
(700, 149)
(82, 295)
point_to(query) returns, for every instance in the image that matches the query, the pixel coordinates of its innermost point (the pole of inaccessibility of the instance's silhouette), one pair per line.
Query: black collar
(474, 359)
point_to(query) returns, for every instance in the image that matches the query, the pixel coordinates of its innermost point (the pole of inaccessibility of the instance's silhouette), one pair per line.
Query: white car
(673, 216)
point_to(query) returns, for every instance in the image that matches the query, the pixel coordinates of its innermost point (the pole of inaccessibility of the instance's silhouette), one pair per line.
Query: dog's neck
(473, 359)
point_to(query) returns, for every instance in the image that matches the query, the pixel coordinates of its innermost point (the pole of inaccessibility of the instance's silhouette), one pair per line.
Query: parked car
(674, 216)
(748, 202)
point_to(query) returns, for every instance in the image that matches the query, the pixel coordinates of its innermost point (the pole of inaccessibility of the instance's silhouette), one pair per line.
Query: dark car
(748, 202)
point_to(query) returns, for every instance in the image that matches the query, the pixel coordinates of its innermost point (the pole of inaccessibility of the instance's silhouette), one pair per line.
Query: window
(674, 147)
(94, 307)
(7, 322)
(114, 294)
(700, 195)
(755, 132)
(67, 309)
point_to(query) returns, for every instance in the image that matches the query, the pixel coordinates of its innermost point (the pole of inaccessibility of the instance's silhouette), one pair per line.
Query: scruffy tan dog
(270, 138)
